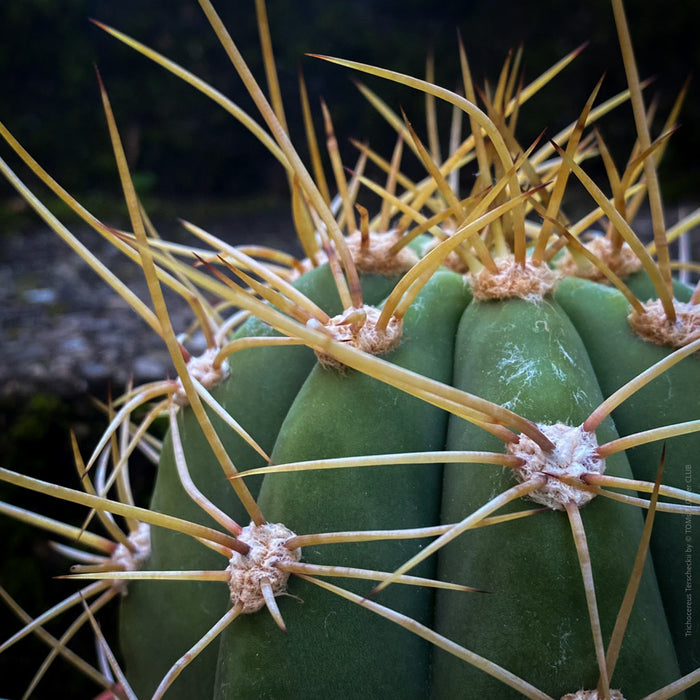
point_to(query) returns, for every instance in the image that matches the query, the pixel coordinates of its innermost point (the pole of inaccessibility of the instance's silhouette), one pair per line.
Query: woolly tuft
(574, 455)
(513, 280)
(363, 335)
(267, 551)
(654, 326)
(622, 260)
(132, 559)
(375, 256)
(203, 370)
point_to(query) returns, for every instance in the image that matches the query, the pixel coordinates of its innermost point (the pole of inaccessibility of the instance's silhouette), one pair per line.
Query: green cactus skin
(533, 622)
(263, 384)
(332, 648)
(527, 356)
(618, 355)
(642, 287)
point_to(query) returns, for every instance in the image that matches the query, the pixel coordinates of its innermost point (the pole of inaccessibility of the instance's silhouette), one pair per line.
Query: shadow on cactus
(454, 414)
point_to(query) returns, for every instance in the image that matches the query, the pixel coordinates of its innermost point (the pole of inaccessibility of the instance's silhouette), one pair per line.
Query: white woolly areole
(124, 559)
(574, 455)
(591, 695)
(654, 326)
(513, 280)
(376, 256)
(267, 552)
(622, 260)
(363, 335)
(202, 369)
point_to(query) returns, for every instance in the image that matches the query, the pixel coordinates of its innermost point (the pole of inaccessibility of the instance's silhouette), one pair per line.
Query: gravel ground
(64, 331)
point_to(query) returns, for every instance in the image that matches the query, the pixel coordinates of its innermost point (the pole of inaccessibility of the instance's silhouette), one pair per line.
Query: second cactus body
(533, 619)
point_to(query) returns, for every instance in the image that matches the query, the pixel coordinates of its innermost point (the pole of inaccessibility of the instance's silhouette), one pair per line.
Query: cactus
(458, 443)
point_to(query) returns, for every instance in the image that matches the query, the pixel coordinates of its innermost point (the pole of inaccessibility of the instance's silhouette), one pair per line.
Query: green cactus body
(338, 649)
(263, 384)
(523, 355)
(527, 356)
(618, 355)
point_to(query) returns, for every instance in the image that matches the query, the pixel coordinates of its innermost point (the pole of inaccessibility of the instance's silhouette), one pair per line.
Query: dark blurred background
(191, 159)
(181, 145)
